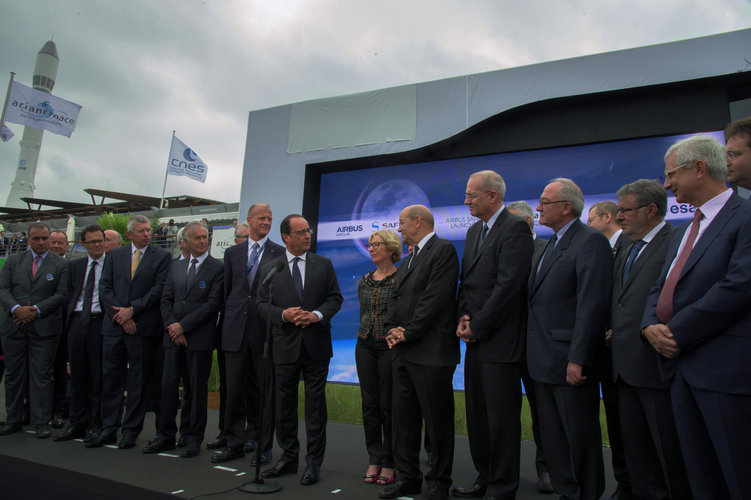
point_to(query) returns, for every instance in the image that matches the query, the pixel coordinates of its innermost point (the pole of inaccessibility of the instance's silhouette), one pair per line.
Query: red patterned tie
(35, 265)
(665, 302)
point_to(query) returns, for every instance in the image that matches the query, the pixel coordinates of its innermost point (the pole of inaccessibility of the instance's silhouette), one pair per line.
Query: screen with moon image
(355, 203)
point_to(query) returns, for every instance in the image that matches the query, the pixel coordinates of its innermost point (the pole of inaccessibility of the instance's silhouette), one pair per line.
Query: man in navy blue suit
(697, 316)
(130, 293)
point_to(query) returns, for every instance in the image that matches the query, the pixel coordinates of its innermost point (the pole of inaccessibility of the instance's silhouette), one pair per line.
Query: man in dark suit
(34, 289)
(421, 322)
(523, 210)
(84, 333)
(130, 292)
(697, 317)
(738, 152)
(569, 295)
(652, 453)
(243, 336)
(491, 302)
(190, 304)
(60, 399)
(305, 298)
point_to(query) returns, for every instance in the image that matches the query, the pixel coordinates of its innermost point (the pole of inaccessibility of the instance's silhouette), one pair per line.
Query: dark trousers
(127, 361)
(246, 368)
(494, 401)
(222, 367)
(715, 439)
(570, 425)
(314, 373)
(653, 454)
(193, 367)
(373, 359)
(427, 390)
(85, 355)
(29, 359)
(529, 390)
(60, 400)
(612, 417)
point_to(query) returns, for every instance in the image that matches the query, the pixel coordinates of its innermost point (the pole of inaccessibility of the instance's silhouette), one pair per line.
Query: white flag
(6, 134)
(40, 110)
(184, 161)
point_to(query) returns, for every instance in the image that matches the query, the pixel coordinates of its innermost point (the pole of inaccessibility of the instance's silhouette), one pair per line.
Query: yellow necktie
(134, 263)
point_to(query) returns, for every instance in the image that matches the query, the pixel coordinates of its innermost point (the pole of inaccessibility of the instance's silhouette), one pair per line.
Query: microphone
(277, 267)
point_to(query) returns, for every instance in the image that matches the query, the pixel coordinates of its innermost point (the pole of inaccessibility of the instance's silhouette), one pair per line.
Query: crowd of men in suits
(654, 316)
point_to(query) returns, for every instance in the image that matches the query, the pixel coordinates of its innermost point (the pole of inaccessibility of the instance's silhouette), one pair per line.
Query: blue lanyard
(249, 268)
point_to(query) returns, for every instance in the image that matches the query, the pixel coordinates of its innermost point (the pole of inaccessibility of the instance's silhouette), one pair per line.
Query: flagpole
(169, 157)
(7, 98)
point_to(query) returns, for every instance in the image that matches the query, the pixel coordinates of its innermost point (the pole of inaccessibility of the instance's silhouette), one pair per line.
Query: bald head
(415, 222)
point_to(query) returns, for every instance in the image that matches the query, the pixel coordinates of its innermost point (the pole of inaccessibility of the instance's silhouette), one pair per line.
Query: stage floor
(343, 466)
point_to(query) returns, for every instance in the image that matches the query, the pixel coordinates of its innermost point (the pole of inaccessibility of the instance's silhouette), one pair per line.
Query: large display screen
(355, 203)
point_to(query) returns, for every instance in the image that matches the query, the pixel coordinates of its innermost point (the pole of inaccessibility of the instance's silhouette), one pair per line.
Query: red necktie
(665, 302)
(35, 265)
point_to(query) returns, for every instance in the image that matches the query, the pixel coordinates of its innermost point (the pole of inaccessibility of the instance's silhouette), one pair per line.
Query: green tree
(117, 222)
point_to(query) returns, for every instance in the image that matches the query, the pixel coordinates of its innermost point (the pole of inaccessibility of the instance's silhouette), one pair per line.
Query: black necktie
(88, 295)
(191, 273)
(548, 251)
(483, 234)
(297, 277)
(414, 254)
(635, 248)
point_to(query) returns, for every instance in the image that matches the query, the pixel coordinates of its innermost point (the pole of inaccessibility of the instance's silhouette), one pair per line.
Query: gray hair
(571, 193)
(190, 226)
(702, 148)
(521, 208)
(491, 180)
(137, 219)
(647, 192)
(242, 224)
(181, 234)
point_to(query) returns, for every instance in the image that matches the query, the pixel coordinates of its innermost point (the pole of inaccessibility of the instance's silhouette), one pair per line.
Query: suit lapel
(644, 256)
(418, 258)
(705, 241)
(493, 233)
(548, 262)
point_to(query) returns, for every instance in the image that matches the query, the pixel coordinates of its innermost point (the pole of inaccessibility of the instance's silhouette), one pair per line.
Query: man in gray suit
(34, 289)
(569, 295)
(652, 453)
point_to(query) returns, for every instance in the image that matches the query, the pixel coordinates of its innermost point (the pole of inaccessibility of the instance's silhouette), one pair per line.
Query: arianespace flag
(184, 161)
(40, 110)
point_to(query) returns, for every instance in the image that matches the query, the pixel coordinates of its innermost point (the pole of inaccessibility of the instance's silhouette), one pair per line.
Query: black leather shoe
(160, 446)
(10, 429)
(250, 445)
(153, 439)
(401, 488)
(281, 468)
(474, 491)
(126, 442)
(544, 485)
(436, 492)
(70, 434)
(191, 450)
(217, 444)
(43, 431)
(227, 455)
(311, 475)
(57, 421)
(265, 458)
(101, 440)
(182, 442)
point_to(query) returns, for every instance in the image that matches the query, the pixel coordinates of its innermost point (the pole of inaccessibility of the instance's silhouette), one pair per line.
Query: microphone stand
(258, 485)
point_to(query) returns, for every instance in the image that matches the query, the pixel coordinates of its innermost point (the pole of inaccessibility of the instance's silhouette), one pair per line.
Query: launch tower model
(45, 71)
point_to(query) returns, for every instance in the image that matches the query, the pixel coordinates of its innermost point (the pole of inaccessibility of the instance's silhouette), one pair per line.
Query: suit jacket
(540, 245)
(320, 293)
(493, 288)
(424, 303)
(49, 290)
(240, 314)
(194, 305)
(569, 300)
(77, 283)
(712, 319)
(143, 292)
(634, 359)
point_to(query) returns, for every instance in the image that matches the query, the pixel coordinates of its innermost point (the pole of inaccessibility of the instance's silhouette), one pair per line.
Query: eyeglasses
(303, 232)
(670, 173)
(732, 155)
(545, 202)
(93, 242)
(624, 211)
(375, 244)
(472, 196)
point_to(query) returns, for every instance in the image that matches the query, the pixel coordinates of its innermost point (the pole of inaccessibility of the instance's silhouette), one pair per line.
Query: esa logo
(682, 208)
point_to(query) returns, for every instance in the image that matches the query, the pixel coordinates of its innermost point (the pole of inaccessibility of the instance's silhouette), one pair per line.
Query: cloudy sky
(142, 69)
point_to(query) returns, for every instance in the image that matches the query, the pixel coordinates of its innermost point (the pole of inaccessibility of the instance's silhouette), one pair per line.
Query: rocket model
(45, 71)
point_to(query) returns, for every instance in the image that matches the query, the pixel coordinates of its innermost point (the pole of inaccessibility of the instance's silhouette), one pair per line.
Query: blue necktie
(632, 257)
(483, 235)
(252, 267)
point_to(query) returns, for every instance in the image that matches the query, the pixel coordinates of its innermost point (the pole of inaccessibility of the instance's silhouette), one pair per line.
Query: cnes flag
(184, 161)
(40, 110)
